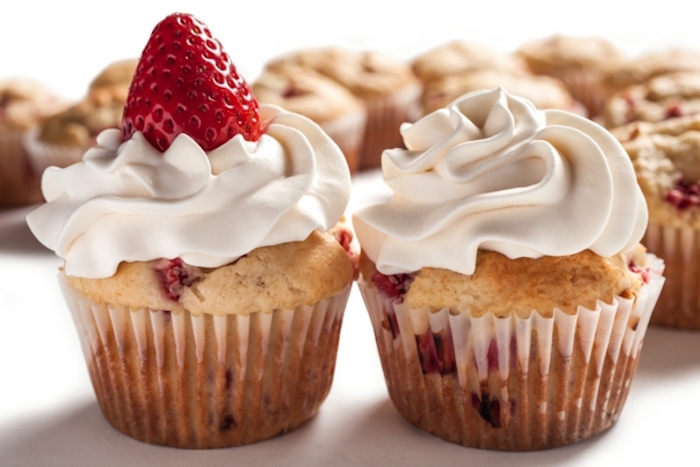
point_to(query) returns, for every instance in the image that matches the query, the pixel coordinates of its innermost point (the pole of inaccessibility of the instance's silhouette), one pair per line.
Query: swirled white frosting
(129, 202)
(492, 172)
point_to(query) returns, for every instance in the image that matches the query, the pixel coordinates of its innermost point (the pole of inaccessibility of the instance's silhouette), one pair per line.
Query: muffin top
(366, 74)
(492, 172)
(666, 158)
(303, 90)
(24, 103)
(665, 96)
(564, 52)
(198, 171)
(460, 56)
(519, 286)
(275, 277)
(543, 91)
(640, 69)
(119, 73)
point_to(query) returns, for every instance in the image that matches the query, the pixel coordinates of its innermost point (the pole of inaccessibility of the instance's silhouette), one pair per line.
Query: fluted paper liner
(679, 303)
(208, 381)
(512, 383)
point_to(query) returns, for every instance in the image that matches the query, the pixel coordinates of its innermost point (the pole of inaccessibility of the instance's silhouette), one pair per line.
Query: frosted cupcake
(504, 279)
(666, 157)
(205, 265)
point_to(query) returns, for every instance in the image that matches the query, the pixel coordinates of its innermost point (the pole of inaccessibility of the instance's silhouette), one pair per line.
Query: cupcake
(543, 91)
(459, 57)
(205, 263)
(581, 62)
(665, 96)
(23, 104)
(637, 70)
(62, 138)
(386, 85)
(666, 158)
(302, 90)
(504, 279)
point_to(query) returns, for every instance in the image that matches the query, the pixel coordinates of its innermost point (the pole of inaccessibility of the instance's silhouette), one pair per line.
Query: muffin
(386, 85)
(637, 70)
(459, 56)
(23, 104)
(666, 157)
(62, 138)
(505, 282)
(302, 90)
(206, 265)
(581, 62)
(660, 98)
(543, 91)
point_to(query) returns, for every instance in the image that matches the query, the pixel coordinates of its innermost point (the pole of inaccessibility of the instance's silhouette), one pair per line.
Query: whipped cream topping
(492, 172)
(129, 202)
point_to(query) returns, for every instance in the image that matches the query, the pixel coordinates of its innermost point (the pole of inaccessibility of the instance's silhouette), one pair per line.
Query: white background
(48, 414)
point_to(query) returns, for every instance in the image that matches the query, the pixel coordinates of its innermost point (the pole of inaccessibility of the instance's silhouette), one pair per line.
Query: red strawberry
(186, 83)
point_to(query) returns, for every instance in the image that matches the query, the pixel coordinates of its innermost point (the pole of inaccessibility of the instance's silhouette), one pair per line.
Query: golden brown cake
(543, 91)
(660, 98)
(386, 85)
(666, 157)
(581, 62)
(459, 56)
(637, 70)
(62, 138)
(23, 104)
(303, 90)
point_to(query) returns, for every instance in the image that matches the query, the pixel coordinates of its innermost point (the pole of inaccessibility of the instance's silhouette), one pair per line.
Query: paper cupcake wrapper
(43, 155)
(385, 114)
(19, 184)
(209, 381)
(679, 303)
(511, 383)
(347, 132)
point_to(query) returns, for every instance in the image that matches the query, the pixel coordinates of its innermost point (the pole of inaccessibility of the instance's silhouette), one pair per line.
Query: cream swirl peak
(129, 202)
(492, 172)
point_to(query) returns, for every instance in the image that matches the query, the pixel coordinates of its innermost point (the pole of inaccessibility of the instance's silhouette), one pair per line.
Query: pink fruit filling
(684, 195)
(643, 271)
(173, 276)
(436, 352)
(394, 286)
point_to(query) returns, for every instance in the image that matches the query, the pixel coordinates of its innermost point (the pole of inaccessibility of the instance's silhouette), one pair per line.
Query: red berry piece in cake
(173, 276)
(393, 286)
(436, 352)
(186, 83)
(489, 410)
(684, 195)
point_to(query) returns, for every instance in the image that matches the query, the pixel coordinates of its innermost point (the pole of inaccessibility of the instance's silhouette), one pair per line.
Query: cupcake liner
(679, 303)
(347, 132)
(514, 383)
(19, 183)
(208, 381)
(43, 155)
(385, 114)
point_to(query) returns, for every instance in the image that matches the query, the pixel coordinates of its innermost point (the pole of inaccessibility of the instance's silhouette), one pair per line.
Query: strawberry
(186, 83)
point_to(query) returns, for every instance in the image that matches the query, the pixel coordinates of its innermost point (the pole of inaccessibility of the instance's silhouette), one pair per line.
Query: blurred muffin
(458, 57)
(500, 268)
(24, 103)
(386, 85)
(660, 98)
(62, 138)
(579, 61)
(666, 158)
(543, 91)
(303, 90)
(637, 70)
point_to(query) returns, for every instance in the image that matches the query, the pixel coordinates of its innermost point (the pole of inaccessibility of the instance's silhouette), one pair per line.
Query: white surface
(49, 416)
(48, 413)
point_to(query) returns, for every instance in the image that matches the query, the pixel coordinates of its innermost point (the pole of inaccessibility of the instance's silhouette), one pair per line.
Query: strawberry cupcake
(205, 262)
(505, 281)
